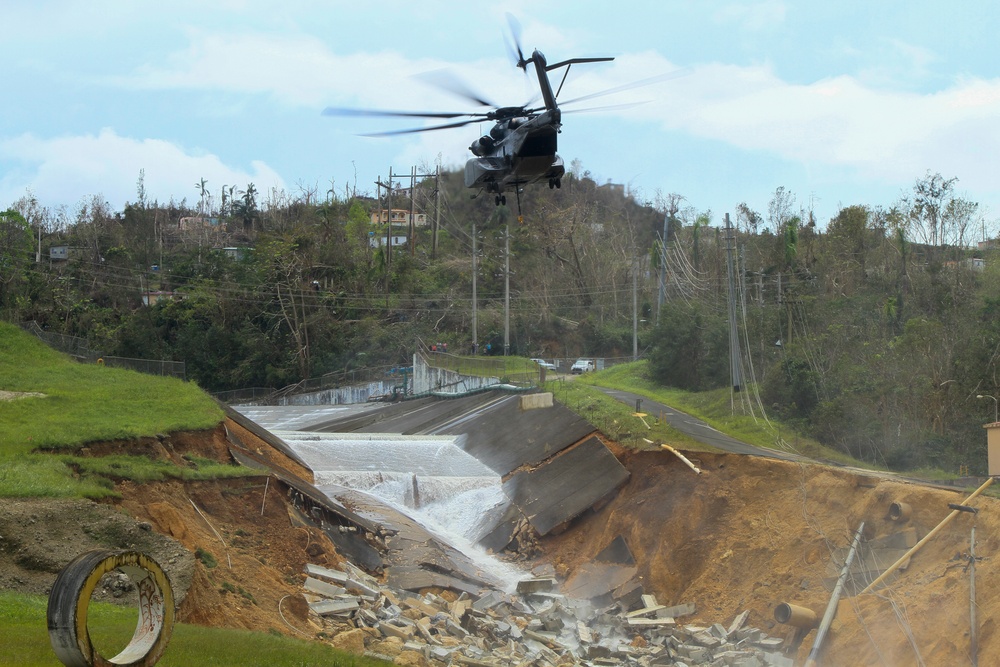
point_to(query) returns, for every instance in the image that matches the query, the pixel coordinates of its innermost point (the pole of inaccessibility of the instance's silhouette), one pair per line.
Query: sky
(839, 103)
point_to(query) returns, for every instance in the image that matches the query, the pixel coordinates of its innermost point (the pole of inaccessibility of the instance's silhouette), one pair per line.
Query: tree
(847, 248)
(15, 252)
(202, 186)
(936, 216)
(245, 207)
(779, 209)
(691, 347)
(284, 267)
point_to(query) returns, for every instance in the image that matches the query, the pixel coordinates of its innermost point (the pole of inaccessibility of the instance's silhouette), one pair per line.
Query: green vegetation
(206, 558)
(873, 333)
(511, 368)
(715, 407)
(614, 418)
(80, 403)
(24, 640)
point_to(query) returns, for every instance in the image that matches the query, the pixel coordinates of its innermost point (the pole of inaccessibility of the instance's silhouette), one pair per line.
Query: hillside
(745, 535)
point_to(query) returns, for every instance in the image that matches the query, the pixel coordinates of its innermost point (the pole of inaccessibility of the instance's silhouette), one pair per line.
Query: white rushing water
(431, 479)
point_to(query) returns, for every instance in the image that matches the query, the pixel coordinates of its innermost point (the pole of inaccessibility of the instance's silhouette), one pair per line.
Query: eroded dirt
(746, 534)
(750, 533)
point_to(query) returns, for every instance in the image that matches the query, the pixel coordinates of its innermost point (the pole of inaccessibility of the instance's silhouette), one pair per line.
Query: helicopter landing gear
(555, 183)
(501, 200)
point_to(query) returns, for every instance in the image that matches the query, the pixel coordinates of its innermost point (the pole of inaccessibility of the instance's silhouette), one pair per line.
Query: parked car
(582, 366)
(544, 364)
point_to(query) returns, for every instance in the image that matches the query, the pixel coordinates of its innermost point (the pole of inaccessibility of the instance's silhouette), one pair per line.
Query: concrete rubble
(537, 626)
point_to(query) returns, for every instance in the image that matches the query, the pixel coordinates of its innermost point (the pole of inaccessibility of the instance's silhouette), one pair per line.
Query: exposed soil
(750, 533)
(746, 534)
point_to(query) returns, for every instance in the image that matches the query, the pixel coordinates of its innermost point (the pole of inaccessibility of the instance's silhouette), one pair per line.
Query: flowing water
(431, 479)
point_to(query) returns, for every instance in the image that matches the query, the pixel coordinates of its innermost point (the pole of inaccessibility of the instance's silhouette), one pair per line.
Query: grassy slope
(24, 640)
(86, 403)
(82, 403)
(716, 409)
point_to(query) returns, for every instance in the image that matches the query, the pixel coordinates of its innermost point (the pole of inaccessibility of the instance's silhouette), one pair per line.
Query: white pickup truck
(582, 366)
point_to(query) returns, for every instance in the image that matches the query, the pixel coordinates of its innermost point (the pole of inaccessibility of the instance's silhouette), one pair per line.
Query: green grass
(24, 640)
(616, 419)
(715, 408)
(83, 403)
(511, 368)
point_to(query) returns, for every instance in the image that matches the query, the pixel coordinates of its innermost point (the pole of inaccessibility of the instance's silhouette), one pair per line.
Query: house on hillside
(192, 223)
(63, 253)
(378, 240)
(235, 253)
(973, 264)
(400, 216)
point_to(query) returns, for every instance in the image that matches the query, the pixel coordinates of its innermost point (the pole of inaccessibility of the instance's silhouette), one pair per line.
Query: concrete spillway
(444, 476)
(430, 478)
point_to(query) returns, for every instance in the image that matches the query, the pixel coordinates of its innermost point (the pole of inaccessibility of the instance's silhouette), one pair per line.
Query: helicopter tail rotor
(514, 43)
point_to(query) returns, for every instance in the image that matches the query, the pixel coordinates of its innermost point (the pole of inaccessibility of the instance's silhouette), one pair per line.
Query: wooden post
(973, 630)
(927, 538)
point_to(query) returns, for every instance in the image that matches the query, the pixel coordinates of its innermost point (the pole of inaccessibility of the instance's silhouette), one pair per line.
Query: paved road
(696, 428)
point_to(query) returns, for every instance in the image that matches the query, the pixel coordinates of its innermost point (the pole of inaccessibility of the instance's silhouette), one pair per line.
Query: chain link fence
(77, 348)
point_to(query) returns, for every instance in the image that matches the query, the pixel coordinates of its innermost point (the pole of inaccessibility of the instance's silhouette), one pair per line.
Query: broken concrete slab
(566, 485)
(679, 610)
(505, 437)
(488, 601)
(645, 611)
(738, 622)
(526, 586)
(314, 585)
(332, 607)
(404, 632)
(321, 572)
(651, 622)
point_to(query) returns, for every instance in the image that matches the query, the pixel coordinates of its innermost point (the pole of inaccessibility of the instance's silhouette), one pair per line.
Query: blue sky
(839, 103)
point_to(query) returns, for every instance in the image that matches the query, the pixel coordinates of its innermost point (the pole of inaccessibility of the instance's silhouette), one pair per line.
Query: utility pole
(437, 211)
(635, 308)
(734, 338)
(506, 290)
(388, 233)
(475, 272)
(663, 267)
(413, 198)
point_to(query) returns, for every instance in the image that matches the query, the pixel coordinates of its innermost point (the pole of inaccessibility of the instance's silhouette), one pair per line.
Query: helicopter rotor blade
(342, 111)
(609, 107)
(635, 84)
(415, 130)
(448, 81)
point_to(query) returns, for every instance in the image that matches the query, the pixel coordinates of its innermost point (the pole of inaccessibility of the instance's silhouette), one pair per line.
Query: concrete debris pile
(537, 626)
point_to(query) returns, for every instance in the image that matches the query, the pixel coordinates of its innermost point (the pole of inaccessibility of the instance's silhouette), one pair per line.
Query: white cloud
(295, 69)
(887, 135)
(65, 170)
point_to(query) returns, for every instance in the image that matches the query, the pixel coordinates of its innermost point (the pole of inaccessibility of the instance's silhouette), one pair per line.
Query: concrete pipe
(70, 599)
(899, 511)
(800, 617)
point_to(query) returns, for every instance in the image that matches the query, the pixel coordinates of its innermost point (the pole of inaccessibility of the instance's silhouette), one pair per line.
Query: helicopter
(520, 148)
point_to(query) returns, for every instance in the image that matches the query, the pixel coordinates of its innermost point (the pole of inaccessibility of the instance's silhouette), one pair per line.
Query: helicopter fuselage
(517, 151)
